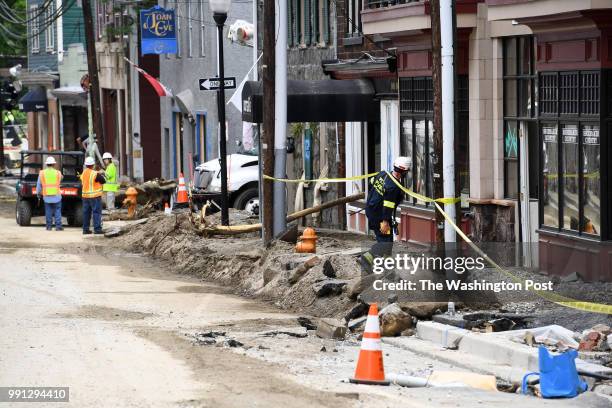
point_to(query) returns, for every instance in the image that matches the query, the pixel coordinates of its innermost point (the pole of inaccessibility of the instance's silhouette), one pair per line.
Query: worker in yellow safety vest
(111, 186)
(48, 186)
(91, 192)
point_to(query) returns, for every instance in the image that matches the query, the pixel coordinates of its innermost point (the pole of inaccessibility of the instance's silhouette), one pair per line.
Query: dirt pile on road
(242, 264)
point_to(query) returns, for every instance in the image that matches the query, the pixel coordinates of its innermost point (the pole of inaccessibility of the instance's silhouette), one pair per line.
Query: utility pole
(280, 119)
(268, 73)
(447, 34)
(92, 68)
(436, 48)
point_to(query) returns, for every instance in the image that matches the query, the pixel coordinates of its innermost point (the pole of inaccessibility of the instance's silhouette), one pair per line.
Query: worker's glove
(385, 228)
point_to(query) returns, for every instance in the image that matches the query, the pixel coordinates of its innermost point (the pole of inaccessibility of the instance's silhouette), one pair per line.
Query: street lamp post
(220, 9)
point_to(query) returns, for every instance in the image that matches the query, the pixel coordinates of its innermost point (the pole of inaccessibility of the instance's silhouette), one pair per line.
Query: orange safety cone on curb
(181, 195)
(167, 209)
(370, 368)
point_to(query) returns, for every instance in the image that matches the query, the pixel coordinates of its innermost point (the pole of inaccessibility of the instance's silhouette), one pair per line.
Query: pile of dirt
(241, 263)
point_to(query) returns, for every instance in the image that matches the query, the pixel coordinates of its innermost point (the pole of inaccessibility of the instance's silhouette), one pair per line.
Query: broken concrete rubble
(306, 323)
(328, 269)
(331, 329)
(302, 269)
(424, 310)
(328, 287)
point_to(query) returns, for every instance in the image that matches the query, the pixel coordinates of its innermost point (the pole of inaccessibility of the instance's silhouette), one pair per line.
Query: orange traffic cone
(181, 195)
(167, 209)
(370, 369)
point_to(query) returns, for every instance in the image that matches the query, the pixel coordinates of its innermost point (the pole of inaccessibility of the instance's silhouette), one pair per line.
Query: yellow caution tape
(366, 176)
(552, 297)
(422, 197)
(324, 180)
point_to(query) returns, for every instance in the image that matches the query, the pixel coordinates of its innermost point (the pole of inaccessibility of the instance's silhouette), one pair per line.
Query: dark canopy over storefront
(34, 101)
(317, 101)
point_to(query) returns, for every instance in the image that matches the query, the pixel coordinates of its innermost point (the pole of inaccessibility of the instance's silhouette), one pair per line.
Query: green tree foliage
(13, 30)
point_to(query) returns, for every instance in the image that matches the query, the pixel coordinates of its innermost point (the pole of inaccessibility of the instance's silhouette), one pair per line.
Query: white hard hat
(89, 161)
(107, 155)
(50, 160)
(402, 163)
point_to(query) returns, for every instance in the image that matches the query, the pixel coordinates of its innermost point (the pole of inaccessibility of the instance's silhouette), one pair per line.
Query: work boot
(86, 232)
(49, 228)
(98, 232)
(59, 228)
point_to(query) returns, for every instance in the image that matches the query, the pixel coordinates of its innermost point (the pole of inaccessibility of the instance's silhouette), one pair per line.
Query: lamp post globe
(220, 6)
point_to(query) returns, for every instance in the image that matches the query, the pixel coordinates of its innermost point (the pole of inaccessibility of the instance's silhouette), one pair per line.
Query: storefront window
(511, 181)
(416, 122)
(591, 196)
(569, 166)
(406, 148)
(420, 170)
(519, 110)
(550, 170)
(570, 102)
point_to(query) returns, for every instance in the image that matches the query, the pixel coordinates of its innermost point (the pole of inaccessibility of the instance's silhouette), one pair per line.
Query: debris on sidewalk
(597, 338)
(331, 329)
(393, 320)
(328, 287)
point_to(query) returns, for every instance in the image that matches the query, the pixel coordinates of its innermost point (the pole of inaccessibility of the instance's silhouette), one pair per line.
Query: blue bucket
(558, 375)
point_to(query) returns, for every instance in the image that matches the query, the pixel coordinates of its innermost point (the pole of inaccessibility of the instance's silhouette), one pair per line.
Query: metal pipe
(448, 112)
(280, 118)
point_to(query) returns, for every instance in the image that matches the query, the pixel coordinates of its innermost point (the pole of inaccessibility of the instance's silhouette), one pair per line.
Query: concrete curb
(492, 347)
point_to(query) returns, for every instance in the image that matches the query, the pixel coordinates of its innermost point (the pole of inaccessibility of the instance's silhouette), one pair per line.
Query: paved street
(118, 330)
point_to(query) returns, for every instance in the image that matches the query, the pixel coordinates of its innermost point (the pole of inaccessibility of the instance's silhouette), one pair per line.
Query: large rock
(328, 287)
(331, 329)
(358, 285)
(303, 268)
(423, 310)
(328, 269)
(393, 320)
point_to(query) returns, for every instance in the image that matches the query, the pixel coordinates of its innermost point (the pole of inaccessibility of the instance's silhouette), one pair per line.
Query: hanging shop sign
(158, 31)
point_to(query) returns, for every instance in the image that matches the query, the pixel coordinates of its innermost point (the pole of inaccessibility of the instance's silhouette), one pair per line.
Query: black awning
(317, 101)
(34, 101)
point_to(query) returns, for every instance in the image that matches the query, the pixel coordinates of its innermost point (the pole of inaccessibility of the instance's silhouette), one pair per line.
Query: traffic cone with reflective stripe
(181, 195)
(370, 369)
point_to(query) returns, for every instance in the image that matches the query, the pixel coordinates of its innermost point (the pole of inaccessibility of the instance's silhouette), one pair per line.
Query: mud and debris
(330, 283)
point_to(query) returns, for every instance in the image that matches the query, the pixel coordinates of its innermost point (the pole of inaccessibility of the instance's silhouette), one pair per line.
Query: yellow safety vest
(90, 187)
(111, 178)
(50, 180)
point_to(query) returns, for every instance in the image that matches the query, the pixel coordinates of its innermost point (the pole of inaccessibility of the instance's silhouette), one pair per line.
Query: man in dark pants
(91, 182)
(383, 198)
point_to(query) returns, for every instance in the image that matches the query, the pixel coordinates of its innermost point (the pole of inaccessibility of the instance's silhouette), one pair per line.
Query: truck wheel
(75, 217)
(23, 213)
(248, 201)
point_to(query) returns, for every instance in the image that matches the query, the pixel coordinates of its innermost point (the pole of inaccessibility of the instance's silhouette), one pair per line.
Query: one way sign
(208, 84)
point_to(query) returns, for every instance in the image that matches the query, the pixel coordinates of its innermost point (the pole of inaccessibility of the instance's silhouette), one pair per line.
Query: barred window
(548, 93)
(568, 93)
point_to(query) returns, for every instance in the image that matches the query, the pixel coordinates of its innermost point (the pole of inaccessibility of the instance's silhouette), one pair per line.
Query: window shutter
(295, 22)
(325, 21)
(314, 18)
(289, 23)
(307, 21)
